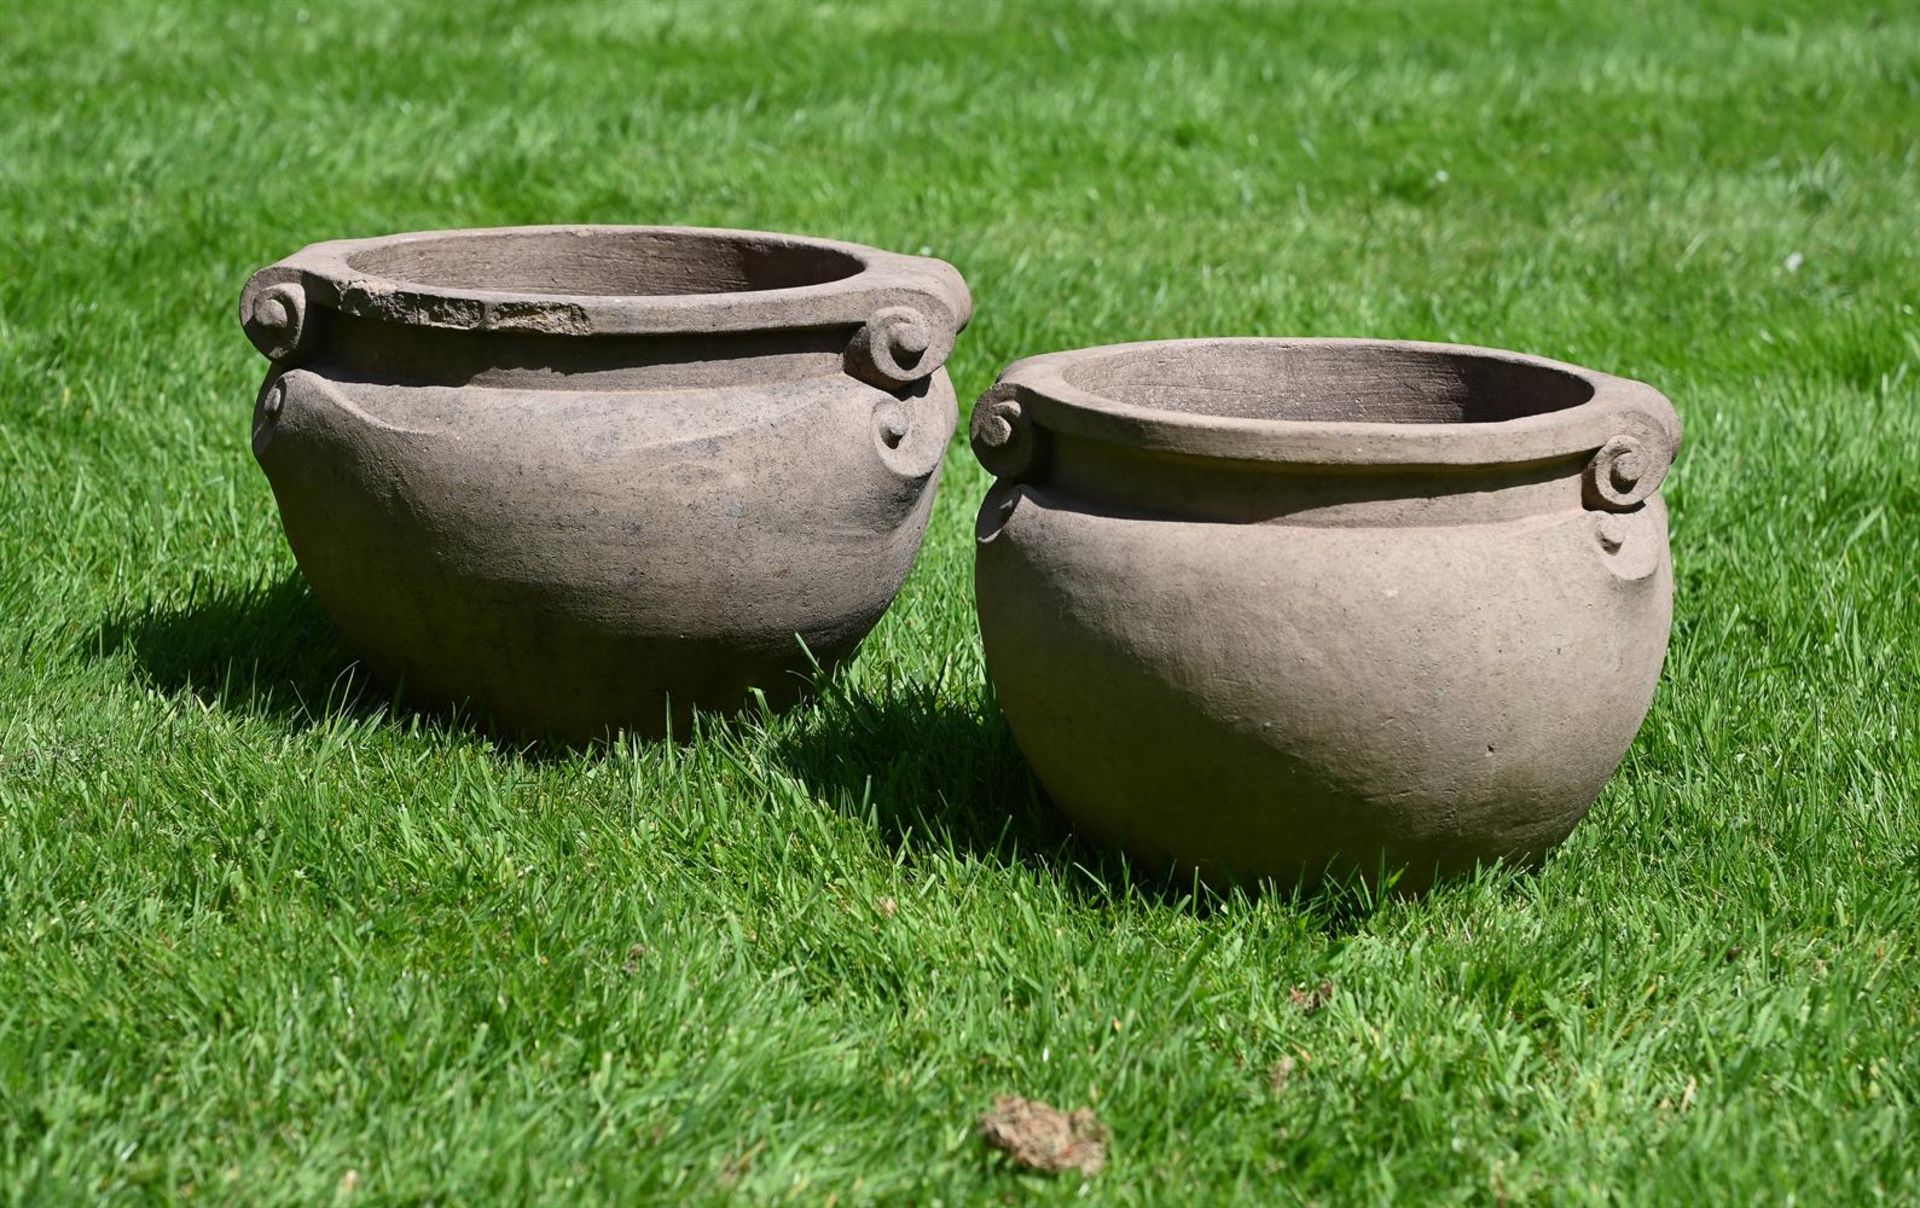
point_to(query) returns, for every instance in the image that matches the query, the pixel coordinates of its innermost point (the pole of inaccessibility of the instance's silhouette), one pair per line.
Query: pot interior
(624, 263)
(1328, 382)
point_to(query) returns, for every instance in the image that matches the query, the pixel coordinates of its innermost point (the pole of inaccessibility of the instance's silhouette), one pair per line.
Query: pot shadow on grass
(939, 775)
(923, 770)
(928, 772)
(265, 650)
(271, 651)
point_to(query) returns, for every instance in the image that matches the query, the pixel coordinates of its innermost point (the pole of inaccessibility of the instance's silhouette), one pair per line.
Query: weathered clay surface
(575, 478)
(1280, 608)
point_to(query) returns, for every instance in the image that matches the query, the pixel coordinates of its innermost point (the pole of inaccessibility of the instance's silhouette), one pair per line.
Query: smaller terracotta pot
(580, 479)
(1280, 608)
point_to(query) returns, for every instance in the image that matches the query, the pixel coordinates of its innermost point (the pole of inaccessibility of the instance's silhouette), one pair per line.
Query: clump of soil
(1280, 1074)
(1308, 1001)
(1039, 1136)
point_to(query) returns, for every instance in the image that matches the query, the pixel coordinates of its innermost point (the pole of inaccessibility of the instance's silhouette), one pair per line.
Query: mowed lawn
(265, 936)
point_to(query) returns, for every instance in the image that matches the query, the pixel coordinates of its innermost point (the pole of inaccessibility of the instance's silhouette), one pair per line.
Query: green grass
(258, 930)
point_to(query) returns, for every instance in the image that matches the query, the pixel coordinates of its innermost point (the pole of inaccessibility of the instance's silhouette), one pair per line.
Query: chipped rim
(324, 275)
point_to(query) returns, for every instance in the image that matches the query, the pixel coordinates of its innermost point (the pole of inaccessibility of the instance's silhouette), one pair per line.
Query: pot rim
(1036, 392)
(881, 278)
(905, 311)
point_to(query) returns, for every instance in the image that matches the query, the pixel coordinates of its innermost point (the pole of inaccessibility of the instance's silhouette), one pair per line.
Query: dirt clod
(1039, 1136)
(1280, 1074)
(736, 1167)
(1309, 1001)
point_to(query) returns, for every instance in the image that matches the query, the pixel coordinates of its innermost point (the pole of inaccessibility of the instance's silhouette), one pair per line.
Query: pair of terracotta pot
(1251, 607)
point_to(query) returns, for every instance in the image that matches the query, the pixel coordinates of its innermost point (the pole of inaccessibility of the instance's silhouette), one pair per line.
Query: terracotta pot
(1275, 608)
(575, 476)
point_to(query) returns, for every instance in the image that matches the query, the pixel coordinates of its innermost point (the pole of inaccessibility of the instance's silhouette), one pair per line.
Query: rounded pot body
(586, 479)
(1279, 609)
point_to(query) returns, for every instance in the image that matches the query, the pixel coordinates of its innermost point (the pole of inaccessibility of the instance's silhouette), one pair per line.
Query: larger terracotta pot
(581, 478)
(1274, 608)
